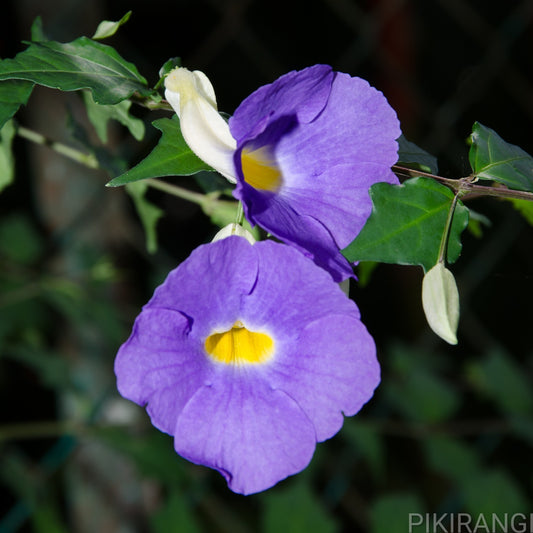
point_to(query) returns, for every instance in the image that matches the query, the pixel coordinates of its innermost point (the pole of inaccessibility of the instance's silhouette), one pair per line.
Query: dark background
(443, 65)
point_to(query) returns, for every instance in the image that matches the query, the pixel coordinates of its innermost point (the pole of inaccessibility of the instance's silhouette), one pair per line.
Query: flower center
(260, 170)
(239, 346)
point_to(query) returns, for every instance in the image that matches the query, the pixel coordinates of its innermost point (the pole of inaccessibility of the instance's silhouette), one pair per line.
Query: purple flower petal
(340, 366)
(304, 93)
(251, 434)
(326, 164)
(254, 419)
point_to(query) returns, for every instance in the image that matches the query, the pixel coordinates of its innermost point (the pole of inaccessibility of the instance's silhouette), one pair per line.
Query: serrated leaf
(407, 224)
(148, 213)
(13, 94)
(494, 159)
(440, 300)
(7, 162)
(80, 64)
(170, 157)
(412, 155)
(107, 28)
(100, 115)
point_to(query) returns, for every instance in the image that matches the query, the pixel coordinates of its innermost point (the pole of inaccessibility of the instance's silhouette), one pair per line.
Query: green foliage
(175, 515)
(390, 513)
(80, 64)
(498, 377)
(407, 224)
(494, 159)
(170, 157)
(411, 155)
(7, 163)
(148, 213)
(295, 509)
(493, 491)
(108, 28)
(100, 115)
(13, 94)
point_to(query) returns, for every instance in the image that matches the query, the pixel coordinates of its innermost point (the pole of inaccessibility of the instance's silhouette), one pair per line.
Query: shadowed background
(449, 429)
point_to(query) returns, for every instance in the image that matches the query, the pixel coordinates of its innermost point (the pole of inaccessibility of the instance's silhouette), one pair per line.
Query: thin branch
(467, 186)
(89, 160)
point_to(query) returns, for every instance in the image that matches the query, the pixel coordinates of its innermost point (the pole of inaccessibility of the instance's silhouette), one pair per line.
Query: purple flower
(248, 355)
(303, 151)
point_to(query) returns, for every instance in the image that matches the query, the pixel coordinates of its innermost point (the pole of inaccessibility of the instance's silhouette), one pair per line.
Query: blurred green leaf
(394, 513)
(100, 115)
(170, 157)
(407, 224)
(295, 509)
(148, 213)
(19, 240)
(152, 453)
(175, 515)
(525, 208)
(107, 28)
(493, 491)
(7, 162)
(411, 155)
(46, 517)
(494, 159)
(415, 388)
(504, 381)
(80, 64)
(368, 442)
(37, 30)
(452, 458)
(13, 94)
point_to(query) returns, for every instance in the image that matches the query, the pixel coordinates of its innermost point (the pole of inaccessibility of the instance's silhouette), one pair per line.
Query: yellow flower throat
(260, 170)
(239, 346)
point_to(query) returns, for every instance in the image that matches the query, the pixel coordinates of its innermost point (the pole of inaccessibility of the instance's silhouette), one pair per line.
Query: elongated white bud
(440, 299)
(192, 97)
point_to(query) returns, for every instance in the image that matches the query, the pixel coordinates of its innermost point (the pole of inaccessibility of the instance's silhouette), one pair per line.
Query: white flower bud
(440, 299)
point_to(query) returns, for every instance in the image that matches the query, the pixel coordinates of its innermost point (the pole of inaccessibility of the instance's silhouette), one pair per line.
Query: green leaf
(80, 64)
(495, 492)
(410, 154)
(148, 213)
(440, 299)
(368, 442)
(295, 509)
(494, 159)
(407, 224)
(99, 115)
(452, 458)
(524, 207)
(168, 65)
(170, 157)
(396, 513)
(13, 94)
(7, 162)
(175, 515)
(107, 28)
(504, 381)
(19, 239)
(37, 30)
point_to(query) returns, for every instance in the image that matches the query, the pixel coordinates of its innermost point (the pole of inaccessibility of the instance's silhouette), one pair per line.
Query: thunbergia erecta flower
(303, 152)
(248, 355)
